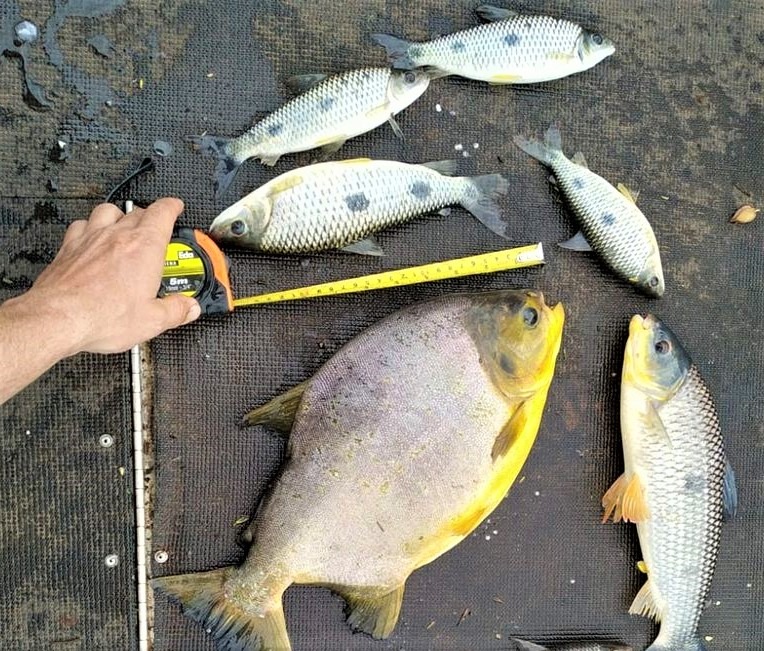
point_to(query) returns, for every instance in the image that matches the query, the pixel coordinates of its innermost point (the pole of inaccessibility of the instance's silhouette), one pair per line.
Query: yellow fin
(504, 79)
(644, 603)
(283, 184)
(625, 500)
(279, 412)
(561, 56)
(376, 616)
(626, 192)
(354, 161)
(513, 428)
(467, 522)
(642, 567)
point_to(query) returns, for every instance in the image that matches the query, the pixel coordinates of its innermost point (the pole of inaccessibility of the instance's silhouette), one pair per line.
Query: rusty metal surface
(676, 113)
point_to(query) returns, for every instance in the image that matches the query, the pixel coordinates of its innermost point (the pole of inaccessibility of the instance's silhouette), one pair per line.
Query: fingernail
(193, 313)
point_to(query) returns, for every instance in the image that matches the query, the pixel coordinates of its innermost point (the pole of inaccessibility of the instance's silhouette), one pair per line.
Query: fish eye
(597, 39)
(530, 317)
(409, 77)
(238, 227)
(654, 281)
(662, 347)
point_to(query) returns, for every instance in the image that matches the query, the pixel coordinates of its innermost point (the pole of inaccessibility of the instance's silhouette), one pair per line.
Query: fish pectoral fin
(301, 83)
(629, 194)
(576, 243)
(376, 616)
(511, 431)
(654, 422)
(205, 600)
(369, 246)
(625, 500)
(279, 413)
(729, 492)
(564, 57)
(396, 127)
(644, 603)
(580, 160)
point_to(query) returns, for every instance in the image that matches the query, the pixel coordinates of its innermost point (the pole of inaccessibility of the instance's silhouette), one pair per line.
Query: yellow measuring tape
(486, 263)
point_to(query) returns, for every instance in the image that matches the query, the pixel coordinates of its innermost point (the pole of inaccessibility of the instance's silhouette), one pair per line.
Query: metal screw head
(106, 441)
(161, 556)
(112, 560)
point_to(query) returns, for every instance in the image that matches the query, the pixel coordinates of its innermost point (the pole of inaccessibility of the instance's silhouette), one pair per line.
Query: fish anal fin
(279, 413)
(629, 194)
(205, 599)
(511, 431)
(301, 83)
(503, 78)
(576, 243)
(270, 161)
(444, 167)
(369, 246)
(370, 613)
(625, 500)
(330, 146)
(644, 603)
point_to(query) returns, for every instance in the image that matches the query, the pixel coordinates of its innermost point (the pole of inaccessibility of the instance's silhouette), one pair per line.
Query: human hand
(103, 283)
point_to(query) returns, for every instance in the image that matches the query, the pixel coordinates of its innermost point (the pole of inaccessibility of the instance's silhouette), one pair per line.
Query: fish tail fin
(228, 163)
(480, 200)
(204, 599)
(542, 151)
(398, 51)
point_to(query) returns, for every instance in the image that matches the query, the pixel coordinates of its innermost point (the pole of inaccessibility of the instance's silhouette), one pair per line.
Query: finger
(103, 215)
(75, 231)
(160, 217)
(173, 311)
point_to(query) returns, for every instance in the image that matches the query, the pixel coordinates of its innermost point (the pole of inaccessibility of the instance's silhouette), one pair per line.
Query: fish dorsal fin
(625, 500)
(580, 159)
(374, 615)
(444, 167)
(279, 413)
(730, 492)
(301, 83)
(511, 431)
(644, 603)
(491, 14)
(369, 246)
(626, 192)
(576, 243)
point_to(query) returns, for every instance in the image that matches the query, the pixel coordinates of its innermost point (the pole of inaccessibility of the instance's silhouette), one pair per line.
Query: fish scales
(341, 206)
(683, 483)
(519, 43)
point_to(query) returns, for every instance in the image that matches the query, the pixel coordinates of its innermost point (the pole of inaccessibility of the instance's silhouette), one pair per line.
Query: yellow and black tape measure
(195, 266)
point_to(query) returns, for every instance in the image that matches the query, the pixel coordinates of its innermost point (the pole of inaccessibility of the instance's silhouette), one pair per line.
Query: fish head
(518, 336)
(243, 223)
(655, 361)
(405, 87)
(650, 279)
(593, 48)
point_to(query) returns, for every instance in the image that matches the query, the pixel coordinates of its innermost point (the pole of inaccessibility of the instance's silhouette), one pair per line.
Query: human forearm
(33, 337)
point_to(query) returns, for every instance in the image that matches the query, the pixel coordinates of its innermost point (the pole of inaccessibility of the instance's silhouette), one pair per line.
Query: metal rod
(136, 377)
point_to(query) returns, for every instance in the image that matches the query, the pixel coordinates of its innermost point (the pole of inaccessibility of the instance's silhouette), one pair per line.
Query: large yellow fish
(400, 445)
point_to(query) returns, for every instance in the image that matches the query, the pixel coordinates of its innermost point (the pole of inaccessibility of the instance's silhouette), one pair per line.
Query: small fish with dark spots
(340, 205)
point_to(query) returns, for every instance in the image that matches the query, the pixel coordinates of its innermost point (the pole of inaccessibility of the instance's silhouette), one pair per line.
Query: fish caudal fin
(204, 600)
(397, 51)
(228, 164)
(542, 151)
(480, 200)
(278, 413)
(376, 616)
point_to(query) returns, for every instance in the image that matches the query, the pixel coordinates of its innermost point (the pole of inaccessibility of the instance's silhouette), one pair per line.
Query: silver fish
(513, 49)
(331, 111)
(524, 645)
(610, 221)
(340, 204)
(677, 484)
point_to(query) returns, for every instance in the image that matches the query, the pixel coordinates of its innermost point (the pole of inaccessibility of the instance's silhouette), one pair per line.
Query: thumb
(176, 310)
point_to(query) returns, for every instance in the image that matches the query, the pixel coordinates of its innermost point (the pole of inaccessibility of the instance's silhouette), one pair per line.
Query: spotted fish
(341, 204)
(400, 445)
(512, 49)
(611, 224)
(329, 112)
(677, 484)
